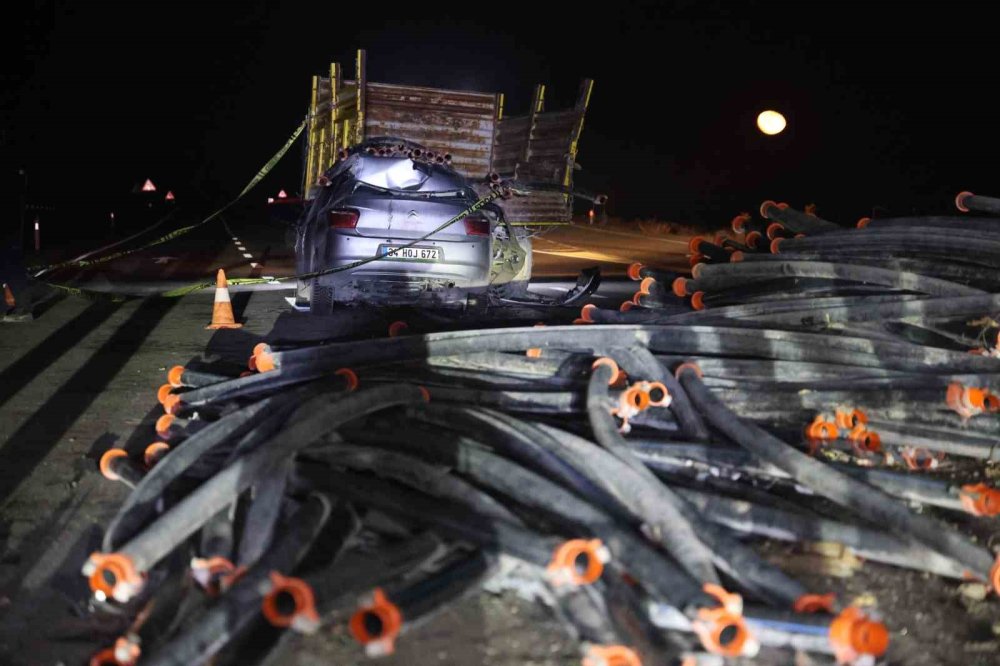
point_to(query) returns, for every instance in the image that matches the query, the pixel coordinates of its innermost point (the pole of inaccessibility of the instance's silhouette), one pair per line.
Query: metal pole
(24, 194)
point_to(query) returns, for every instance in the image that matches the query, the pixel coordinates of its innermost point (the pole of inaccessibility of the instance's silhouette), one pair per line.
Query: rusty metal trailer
(538, 147)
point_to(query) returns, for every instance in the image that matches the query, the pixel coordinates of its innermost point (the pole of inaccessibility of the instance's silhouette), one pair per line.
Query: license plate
(411, 253)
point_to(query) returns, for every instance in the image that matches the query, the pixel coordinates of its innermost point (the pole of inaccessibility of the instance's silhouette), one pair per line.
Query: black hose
(241, 604)
(858, 496)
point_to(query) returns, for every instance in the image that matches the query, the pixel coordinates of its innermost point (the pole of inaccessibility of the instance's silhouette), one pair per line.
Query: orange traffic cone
(222, 311)
(8, 297)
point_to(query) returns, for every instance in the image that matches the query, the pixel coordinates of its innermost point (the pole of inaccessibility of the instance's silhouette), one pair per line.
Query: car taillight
(476, 225)
(343, 219)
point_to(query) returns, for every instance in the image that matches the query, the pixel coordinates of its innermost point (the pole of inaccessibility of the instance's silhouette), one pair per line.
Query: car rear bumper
(464, 270)
(465, 263)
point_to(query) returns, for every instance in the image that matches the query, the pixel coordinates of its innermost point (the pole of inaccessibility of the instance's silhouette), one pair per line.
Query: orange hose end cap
(265, 362)
(848, 418)
(163, 392)
(815, 603)
(259, 348)
(738, 225)
(113, 575)
(126, 651)
(633, 271)
(773, 229)
(864, 440)
(736, 257)
(626, 306)
(853, 634)
(350, 376)
(376, 624)
(163, 425)
(863, 222)
(765, 206)
(581, 322)
(534, 352)
(960, 201)
(107, 463)
(397, 328)
(290, 603)
(172, 404)
(610, 655)
(252, 363)
(698, 300)
(610, 362)
(752, 238)
(174, 376)
(633, 400)
(686, 366)
(976, 397)
(213, 573)
(585, 312)
(659, 395)
(980, 499)
(695, 259)
(105, 657)
(694, 244)
(722, 630)
(646, 285)
(697, 270)
(995, 575)
(154, 453)
(679, 287)
(637, 298)
(775, 244)
(577, 562)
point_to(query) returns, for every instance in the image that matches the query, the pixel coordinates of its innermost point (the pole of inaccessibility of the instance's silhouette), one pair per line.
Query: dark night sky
(885, 103)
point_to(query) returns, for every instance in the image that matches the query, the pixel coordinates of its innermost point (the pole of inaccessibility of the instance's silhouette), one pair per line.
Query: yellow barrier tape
(183, 230)
(184, 291)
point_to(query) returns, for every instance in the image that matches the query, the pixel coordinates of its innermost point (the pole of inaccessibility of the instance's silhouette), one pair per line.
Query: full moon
(771, 122)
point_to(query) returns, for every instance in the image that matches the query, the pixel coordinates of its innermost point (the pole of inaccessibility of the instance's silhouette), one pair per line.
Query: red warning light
(148, 186)
(282, 195)
(170, 196)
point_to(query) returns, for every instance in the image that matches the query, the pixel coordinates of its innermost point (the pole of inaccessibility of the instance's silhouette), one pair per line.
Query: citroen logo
(412, 213)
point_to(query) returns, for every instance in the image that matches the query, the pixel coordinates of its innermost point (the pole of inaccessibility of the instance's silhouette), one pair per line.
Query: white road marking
(248, 256)
(254, 264)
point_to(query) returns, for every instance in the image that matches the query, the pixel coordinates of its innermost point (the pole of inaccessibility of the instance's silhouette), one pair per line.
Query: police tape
(83, 263)
(478, 205)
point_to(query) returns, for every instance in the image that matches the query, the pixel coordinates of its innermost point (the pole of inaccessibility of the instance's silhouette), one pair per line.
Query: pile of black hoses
(626, 470)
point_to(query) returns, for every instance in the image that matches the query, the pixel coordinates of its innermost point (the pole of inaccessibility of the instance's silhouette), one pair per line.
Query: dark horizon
(881, 107)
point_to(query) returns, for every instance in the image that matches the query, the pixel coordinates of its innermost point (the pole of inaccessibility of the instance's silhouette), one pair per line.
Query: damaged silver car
(373, 204)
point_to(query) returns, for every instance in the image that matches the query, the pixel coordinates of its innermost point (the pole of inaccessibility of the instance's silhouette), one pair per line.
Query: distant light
(771, 122)
(270, 200)
(148, 186)
(282, 195)
(36, 225)
(170, 196)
